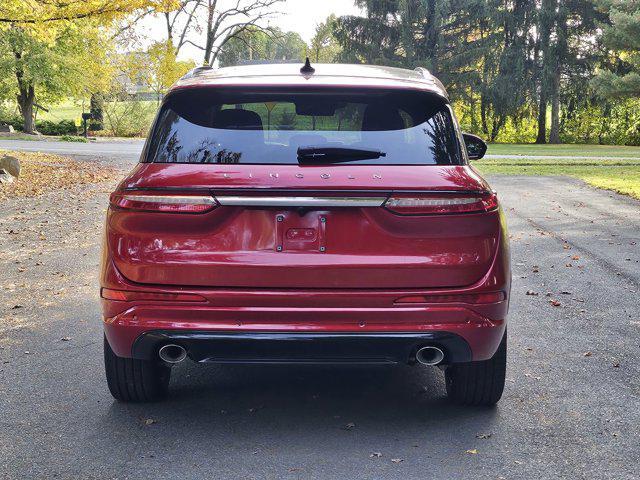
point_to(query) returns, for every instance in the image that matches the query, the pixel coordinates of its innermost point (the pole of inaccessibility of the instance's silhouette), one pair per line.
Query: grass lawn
(72, 110)
(622, 176)
(67, 110)
(530, 150)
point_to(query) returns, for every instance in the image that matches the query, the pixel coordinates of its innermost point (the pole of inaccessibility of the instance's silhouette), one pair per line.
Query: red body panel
(363, 247)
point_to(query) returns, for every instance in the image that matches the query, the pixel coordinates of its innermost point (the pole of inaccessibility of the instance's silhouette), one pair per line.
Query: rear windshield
(269, 127)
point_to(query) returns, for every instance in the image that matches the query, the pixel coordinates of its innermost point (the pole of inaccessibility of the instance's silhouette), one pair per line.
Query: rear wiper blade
(336, 154)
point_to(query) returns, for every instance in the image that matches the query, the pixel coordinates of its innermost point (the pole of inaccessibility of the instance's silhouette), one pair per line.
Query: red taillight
(441, 203)
(129, 296)
(474, 299)
(163, 202)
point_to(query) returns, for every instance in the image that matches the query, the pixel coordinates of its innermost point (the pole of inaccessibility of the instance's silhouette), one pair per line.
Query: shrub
(128, 118)
(73, 138)
(63, 127)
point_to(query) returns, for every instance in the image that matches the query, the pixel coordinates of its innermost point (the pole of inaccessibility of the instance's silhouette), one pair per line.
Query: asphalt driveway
(571, 407)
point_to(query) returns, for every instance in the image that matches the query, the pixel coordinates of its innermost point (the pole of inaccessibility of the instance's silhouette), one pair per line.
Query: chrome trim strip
(172, 199)
(251, 201)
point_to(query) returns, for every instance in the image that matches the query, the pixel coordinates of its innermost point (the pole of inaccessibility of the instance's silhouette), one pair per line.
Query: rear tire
(132, 380)
(478, 383)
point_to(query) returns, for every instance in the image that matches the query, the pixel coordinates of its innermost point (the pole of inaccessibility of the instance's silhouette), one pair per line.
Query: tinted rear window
(268, 126)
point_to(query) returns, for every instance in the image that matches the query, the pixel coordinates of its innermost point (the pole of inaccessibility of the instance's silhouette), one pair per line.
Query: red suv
(296, 215)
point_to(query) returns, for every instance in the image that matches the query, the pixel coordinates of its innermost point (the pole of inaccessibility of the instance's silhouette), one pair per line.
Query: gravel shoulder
(570, 410)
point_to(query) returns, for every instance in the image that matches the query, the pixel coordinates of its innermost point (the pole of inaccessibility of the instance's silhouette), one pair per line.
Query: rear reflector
(167, 203)
(474, 299)
(436, 203)
(129, 296)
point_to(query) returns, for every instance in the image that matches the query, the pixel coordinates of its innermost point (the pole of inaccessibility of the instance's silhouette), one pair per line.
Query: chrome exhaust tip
(172, 353)
(429, 355)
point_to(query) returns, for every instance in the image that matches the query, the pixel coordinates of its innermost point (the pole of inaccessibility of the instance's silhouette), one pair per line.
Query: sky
(299, 16)
(302, 16)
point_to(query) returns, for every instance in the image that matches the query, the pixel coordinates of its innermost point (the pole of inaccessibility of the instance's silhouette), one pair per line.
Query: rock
(5, 177)
(9, 169)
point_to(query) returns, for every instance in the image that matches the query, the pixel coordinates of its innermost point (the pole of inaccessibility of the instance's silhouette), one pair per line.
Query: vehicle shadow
(253, 402)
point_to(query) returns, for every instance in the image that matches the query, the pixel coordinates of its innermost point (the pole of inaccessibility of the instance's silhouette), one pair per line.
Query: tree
(55, 47)
(73, 62)
(163, 68)
(324, 47)
(568, 49)
(475, 47)
(227, 20)
(41, 12)
(180, 22)
(255, 44)
(622, 78)
(376, 38)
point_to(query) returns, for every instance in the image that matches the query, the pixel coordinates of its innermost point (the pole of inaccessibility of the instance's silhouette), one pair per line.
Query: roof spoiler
(194, 72)
(427, 75)
(424, 72)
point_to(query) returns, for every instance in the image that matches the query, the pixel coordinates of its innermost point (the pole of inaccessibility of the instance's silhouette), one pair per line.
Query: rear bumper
(313, 348)
(255, 316)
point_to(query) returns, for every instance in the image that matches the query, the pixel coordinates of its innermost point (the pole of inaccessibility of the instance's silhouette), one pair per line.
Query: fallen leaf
(575, 257)
(149, 421)
(397, 460)
(555, 303)
(375, 455)
(586, 354)
(484, 435)
(472, 452)
(531, 292)
(349, 426)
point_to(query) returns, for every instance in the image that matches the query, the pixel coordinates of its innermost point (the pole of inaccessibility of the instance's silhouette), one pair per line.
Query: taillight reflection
(435, 204)
(131, 296)
(167, 203)
(474, 299)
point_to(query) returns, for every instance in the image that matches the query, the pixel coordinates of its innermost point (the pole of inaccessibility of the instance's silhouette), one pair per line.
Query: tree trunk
(483, 116)
(473, 113)
(431, 32)
(546, 21)
(26, 99)
(554, 132)
(96, 107)
(560, 56)
(208, 47)
(542, 119)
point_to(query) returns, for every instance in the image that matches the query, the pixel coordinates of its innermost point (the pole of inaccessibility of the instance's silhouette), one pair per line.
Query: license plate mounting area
(298, 233)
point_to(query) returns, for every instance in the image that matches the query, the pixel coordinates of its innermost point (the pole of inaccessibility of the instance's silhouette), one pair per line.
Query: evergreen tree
(623, 38)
